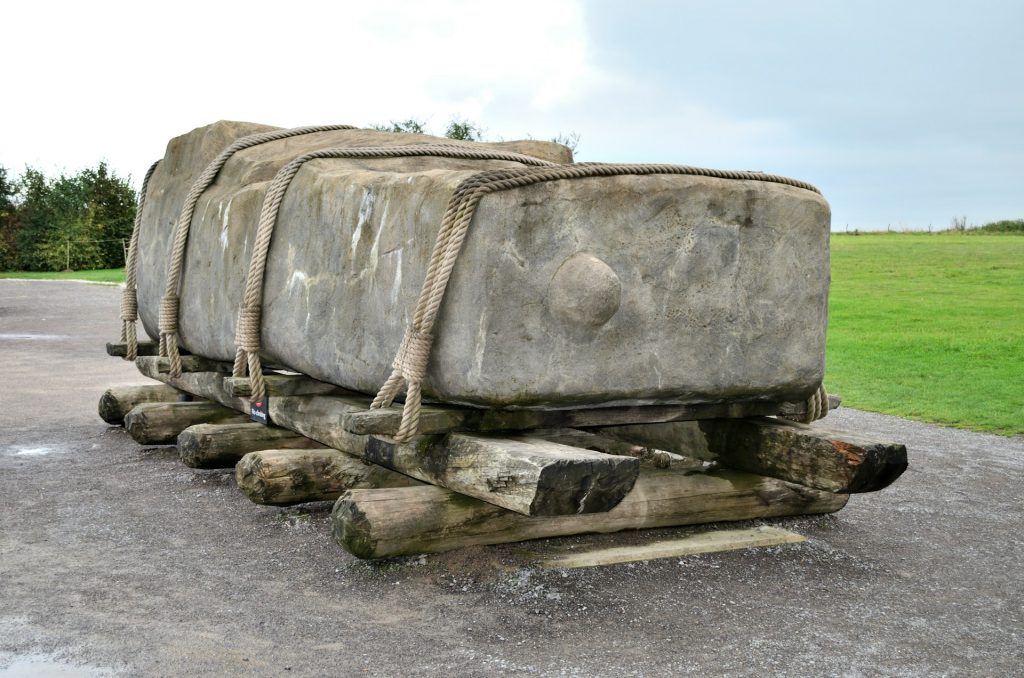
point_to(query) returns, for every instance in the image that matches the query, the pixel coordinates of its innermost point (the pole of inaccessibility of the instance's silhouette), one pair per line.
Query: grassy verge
(105, 275)
(930, 327)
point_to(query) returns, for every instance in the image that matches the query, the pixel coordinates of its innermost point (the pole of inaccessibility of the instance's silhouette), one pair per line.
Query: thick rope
(410, 364)
(169, 332)
(817, 408)
(247, 332)
(130, 295)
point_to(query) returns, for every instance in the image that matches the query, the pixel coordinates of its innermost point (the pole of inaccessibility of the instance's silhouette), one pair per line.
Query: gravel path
(117, 560)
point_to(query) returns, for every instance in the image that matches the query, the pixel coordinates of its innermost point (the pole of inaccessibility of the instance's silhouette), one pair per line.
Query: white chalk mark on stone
(297, 277)
(365, 208)
(224, 224)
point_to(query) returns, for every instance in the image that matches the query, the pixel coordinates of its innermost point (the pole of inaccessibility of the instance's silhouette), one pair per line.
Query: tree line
(79, 221)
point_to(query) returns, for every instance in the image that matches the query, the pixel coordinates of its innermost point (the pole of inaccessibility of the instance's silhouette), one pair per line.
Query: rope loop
(388, 391)
(247, 333)
(411, 361)
(129, 304)
(169, 314)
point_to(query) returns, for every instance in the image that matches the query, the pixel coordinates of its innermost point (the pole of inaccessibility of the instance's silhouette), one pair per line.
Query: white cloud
(117, 80)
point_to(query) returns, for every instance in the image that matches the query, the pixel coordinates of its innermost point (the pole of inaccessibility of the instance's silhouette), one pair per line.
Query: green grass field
(105, 275)
(930, 327)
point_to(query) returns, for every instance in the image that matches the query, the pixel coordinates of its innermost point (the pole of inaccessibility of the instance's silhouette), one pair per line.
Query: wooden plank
(191, 363)
(283, 477)
(118, 401)
(410, 520)
(160, 423)
(209, 385)
(714, 541)
(120, 349)
(445, 419)
(282, 385)
(319, 418)
(809, 455)
(525, 474)
(531, 476)
(222, 445)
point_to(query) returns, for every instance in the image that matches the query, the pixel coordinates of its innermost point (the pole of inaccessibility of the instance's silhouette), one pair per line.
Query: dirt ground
(115, 559)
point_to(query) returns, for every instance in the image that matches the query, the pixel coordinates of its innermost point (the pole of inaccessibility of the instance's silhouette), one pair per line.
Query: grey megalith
(612, 290)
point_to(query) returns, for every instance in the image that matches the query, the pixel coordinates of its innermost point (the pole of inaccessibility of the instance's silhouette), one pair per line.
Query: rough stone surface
(603, 290)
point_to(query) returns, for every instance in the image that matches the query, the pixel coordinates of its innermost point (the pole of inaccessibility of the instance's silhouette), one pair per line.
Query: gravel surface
(117, 560)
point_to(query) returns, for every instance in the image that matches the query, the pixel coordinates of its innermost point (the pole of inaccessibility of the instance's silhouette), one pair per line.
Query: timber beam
(814, 456)
(222, 445)
(120, 349)
(382, 523)
(118, 401)
(289, 476)
(160, 423)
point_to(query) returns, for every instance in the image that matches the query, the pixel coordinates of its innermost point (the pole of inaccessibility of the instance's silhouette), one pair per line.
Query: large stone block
(629, 289)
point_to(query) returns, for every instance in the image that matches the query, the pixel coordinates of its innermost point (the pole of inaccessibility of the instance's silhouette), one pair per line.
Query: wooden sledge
(478, 476)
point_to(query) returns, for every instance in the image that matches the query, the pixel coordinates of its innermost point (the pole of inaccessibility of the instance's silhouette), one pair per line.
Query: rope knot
(129, 304)
(247, 333)
(169, 314)
(411, 361)
(817, 407)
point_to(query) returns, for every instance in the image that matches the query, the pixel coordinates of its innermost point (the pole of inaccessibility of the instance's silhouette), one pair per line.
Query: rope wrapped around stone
(130, 295)
(410, 367)
(817, 408)
(247, 332)
(168, 334)
(168, 320)
(247, 341)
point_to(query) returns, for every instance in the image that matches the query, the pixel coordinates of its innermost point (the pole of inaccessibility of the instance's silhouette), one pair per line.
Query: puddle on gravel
(42, 666)
(15, 451)
(31, 337)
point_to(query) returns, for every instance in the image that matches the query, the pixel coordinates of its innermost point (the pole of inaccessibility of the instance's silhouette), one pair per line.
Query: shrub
(1004, 226)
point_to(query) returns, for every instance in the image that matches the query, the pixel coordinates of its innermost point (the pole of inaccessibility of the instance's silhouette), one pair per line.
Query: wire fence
(68, 242)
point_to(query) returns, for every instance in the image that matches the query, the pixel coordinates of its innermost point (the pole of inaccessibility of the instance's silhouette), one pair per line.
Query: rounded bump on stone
(584, 291)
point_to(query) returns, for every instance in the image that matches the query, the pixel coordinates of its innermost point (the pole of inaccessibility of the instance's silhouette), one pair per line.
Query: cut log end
(352, 529)
(584, 488)
(874, 465)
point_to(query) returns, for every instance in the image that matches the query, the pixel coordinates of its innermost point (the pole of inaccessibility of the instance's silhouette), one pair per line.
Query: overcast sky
(903, 113)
